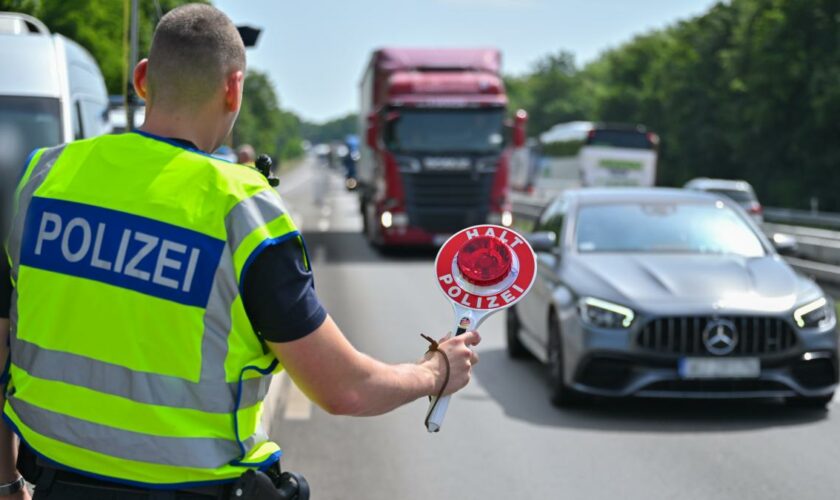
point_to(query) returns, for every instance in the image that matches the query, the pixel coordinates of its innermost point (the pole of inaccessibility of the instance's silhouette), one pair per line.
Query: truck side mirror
(372, 132)
(520, 120)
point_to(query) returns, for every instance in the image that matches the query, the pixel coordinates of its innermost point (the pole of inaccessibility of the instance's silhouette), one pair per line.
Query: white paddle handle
(437, 410)
(438, 407)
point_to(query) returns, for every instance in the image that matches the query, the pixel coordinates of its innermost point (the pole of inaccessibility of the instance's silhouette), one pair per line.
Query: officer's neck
(203, 131)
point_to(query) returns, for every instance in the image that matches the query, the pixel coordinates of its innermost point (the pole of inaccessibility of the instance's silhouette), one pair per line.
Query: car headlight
(813, 314)
(603, 314)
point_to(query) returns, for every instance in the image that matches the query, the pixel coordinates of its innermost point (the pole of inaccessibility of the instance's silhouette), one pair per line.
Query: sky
(315, 50)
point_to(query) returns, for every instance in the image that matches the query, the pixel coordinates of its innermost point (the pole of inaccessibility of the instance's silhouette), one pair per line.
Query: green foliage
(333, 130)
(263, 124)
(551, 94)
(748, 90)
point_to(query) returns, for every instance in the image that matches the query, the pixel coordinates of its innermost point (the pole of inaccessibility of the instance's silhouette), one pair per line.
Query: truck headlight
(603, 314)
(813, 314)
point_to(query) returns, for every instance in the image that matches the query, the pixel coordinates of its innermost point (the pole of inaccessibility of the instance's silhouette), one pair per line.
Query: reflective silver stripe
(142, 387)
(39, 173)
(259, 437)
(252, 213)
(204, 453)
(217, 320)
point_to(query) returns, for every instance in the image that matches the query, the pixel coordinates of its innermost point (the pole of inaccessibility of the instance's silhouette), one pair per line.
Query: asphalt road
(502, 439)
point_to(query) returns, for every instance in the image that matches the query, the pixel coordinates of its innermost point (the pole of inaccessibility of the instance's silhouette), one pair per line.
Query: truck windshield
(26, 123)
(445, 131)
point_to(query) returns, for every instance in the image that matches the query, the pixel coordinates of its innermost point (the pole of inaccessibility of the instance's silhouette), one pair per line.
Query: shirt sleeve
(279, 294)
(5, 286)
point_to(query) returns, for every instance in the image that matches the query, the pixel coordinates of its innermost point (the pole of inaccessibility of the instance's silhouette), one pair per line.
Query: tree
(333, 130)
(262, 123)
(747, 90)
(551, 93)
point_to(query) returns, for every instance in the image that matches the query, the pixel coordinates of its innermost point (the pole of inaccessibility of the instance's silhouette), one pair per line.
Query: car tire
(814, 403)
(515, 348)
(561, 395)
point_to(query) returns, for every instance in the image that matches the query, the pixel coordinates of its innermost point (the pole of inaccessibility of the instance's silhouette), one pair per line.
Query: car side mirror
(543, 241)
(785, 244)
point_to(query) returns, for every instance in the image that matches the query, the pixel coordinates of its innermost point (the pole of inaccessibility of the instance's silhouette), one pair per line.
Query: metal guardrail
(802, 217)
(812, 243)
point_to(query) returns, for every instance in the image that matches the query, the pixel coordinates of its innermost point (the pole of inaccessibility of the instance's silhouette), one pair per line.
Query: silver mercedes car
(671, 293)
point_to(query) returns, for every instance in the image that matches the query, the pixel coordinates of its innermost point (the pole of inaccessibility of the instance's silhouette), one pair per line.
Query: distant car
(741, 192)
(657, 292)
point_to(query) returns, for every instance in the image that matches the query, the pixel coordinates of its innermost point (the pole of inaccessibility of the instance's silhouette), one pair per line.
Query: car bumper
(610, 363)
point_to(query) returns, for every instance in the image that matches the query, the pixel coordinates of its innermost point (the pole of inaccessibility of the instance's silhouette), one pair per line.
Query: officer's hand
(461, 361)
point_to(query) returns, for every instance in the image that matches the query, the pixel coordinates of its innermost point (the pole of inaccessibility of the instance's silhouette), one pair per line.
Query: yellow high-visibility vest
(132, 358)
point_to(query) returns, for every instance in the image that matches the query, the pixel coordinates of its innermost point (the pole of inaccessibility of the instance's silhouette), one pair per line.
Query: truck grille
(683, 336)
(445, 202)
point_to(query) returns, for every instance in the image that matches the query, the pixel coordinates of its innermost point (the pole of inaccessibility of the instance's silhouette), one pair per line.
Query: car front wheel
(561, 395)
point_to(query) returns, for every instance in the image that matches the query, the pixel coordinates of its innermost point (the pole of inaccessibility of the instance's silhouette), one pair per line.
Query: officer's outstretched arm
(343, 381)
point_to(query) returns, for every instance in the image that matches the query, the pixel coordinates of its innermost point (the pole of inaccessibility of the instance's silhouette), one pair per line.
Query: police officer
(156, 289)
(245, 155)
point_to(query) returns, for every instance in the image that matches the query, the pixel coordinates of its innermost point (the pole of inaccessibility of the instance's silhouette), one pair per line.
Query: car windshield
(631, 139)
(665, 227)
(734, 195)
(445, 131)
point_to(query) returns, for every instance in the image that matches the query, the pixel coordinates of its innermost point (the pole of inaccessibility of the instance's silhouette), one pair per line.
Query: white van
(51, 92)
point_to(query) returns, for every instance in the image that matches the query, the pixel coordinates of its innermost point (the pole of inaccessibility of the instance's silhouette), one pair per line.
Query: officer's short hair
(194, 48)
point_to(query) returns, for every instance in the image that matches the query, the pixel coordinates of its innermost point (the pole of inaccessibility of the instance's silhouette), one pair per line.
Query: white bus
(593, 154)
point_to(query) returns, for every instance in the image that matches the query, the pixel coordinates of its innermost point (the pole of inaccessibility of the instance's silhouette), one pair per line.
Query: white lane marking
(298, 406)
(274, 400)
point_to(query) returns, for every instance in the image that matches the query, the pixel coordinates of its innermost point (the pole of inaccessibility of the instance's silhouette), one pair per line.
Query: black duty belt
(50, 475)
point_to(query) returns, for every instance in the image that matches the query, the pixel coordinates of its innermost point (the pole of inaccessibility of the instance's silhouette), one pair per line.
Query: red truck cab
(437, 144)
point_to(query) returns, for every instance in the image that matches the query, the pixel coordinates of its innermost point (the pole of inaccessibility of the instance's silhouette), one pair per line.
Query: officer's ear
(140, 72)
(233, 91)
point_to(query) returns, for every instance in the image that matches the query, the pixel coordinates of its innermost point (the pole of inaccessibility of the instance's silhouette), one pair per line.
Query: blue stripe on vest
(120, 249)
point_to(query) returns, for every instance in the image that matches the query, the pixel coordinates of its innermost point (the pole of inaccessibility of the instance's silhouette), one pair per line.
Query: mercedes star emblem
(720, 337)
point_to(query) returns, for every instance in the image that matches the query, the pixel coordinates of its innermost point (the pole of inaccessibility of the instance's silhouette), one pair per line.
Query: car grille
(683, 336)
(446, 202)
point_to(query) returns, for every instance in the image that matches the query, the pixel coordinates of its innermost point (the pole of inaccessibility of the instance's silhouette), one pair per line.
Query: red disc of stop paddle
(485, 267)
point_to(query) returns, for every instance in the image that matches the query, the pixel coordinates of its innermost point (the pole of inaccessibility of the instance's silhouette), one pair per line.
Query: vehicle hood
(682, 283)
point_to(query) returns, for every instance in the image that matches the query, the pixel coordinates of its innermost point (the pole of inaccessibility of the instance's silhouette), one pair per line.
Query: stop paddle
(481, 270)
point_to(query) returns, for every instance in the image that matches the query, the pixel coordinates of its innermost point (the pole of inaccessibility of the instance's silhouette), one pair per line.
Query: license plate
(711, 368)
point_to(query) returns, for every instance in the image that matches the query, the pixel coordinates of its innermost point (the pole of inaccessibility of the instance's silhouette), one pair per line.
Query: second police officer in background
(156, 291)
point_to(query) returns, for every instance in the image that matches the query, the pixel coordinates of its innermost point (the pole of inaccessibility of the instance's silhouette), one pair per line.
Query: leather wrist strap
(13, 487)
(433, 347)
